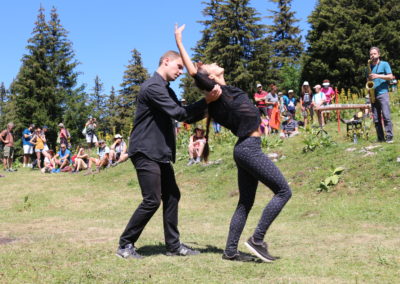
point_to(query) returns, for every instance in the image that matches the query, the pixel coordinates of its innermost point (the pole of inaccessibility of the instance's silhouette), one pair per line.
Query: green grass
(65, 227)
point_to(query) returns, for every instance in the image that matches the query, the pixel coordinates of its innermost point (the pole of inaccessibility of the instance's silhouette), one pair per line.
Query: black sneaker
(389, 139)
(183, 250)
(129, 251)
(260, 250)
(240, 256)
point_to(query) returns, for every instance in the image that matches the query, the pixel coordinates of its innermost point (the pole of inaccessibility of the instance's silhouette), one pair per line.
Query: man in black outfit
(152, 149)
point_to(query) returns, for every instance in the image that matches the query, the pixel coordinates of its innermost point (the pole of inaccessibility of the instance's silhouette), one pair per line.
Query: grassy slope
(68, 229)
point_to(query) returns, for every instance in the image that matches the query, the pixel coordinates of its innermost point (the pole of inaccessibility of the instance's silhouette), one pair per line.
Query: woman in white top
(318, 100)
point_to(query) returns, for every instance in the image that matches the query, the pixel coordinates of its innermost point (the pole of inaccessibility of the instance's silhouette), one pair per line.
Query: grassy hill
(64, 228)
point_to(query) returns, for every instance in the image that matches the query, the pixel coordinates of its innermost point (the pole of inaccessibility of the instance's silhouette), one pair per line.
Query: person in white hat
(118, 151)
(305, 102)
(318, 100)
(259, 97)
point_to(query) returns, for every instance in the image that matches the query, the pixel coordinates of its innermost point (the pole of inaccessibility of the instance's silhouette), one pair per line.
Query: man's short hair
(169, 54)
(376, 48)
(10, 124)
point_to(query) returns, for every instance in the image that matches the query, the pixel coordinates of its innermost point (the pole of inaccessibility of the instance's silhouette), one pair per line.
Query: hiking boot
(389, 139)
(240, 256)
(129, 251)
(183, 250)
(260, 250)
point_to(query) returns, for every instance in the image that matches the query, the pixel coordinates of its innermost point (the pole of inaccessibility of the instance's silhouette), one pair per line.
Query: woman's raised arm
(192, 70)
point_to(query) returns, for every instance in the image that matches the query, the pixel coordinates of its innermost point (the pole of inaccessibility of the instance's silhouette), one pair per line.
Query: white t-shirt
(319, 98)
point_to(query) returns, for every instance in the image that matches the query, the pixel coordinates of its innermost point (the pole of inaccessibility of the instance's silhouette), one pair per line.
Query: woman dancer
(234, 111)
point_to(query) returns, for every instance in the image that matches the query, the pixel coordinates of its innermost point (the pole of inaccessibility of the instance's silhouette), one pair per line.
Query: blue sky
(103, 33)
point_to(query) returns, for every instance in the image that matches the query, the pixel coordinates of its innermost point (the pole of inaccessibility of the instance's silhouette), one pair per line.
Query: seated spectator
(196, 146)
(49, 164)
(38, 140)
(118, 151)
(81, 160)
(63, 157)
(103, 153)
(289, 127)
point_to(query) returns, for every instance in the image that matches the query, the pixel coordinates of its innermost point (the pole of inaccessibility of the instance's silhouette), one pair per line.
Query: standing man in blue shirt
(152, 151)
(27, 135)
(381, 74)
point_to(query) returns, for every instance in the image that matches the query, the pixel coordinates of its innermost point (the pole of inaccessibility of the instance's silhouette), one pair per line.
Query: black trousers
(157, 183)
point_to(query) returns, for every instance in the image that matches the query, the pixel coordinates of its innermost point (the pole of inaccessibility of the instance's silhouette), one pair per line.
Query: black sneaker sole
(253, 250)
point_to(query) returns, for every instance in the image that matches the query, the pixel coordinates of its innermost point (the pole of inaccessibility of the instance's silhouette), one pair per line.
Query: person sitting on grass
(63, 157)
(103, 153)
(196, 146)
(49, 164)
(118, 151)
(290, 127)
(81, 160)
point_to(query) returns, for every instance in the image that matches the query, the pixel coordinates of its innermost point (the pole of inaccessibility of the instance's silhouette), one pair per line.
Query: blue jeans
(381, 109)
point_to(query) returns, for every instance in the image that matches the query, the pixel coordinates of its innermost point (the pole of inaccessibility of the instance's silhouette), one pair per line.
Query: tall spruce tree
(233, 37)
(112, 120)
(98, 101)
(46, 80)
(134, 75)
(190, 92)
(341, 35)
(285, 39)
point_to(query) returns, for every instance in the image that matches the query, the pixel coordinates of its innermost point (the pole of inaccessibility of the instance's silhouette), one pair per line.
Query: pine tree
(45, 84)
(341, 35)
(112, 120)
(285, 39)
(190, 92)
(98, 101)
(134, 76)
(234, 34)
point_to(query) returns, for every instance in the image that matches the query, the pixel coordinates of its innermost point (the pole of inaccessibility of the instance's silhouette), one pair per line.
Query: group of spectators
(276, 106)
(36, 152)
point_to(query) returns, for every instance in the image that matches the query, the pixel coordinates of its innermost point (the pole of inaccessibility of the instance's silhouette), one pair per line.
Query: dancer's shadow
(159, 248)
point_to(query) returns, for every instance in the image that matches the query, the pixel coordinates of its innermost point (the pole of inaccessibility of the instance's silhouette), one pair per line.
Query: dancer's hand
(214, 94)
(178, 32)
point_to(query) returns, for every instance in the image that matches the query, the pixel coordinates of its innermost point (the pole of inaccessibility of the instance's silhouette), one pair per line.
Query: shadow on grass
(160, 249)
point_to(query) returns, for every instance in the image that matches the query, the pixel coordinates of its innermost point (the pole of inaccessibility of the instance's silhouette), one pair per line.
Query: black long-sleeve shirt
(233, 109)
(153, 133)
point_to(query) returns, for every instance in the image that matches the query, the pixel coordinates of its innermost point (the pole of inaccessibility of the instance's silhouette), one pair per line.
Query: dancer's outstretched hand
(178, 32)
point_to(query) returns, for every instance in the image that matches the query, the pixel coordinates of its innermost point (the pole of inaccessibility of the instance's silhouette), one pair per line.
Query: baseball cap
(117, 136)
(290, 91)
(317, 86)
(325, 84)
(60, 125)
(306, 83)
(259, 85)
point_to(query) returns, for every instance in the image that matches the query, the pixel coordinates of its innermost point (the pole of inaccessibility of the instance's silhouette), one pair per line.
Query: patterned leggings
(253, 166)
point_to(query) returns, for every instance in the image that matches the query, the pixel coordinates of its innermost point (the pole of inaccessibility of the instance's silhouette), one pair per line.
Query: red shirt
(262, 95)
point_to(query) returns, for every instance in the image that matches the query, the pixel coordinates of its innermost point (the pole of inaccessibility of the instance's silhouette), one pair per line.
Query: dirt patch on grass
(4, 241)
